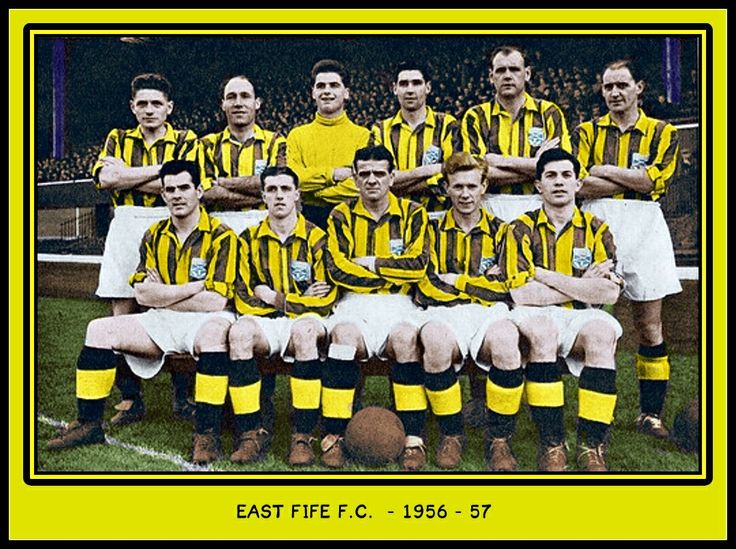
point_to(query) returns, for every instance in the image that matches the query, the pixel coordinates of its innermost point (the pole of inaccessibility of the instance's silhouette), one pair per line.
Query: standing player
(511, 131)
(280, 293)
(559, 261)
(128, 167)
(464, 293)
(233, 159)
(377, 250)
(321, 152)
(630, 159)
(186, 277)
(419, 138)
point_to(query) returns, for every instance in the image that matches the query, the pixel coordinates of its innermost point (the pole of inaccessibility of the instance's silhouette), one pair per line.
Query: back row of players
(624, 155)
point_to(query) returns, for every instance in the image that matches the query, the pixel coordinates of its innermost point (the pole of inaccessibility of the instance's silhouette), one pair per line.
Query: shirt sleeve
(411, 265)
(664, 163)
(517, 259)
(222, 266)
(296, 303)
(111, 148)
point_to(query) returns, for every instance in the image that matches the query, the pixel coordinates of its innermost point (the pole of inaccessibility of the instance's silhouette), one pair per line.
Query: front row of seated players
(381, 245)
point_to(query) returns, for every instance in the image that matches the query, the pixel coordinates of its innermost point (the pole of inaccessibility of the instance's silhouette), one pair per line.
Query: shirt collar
(393, 207)
(529, 105)
(204, 224)
(258, 135)
(484, 223)
(640, 125)
(430, 121)
(300, 229)
(577, 219)
(169, 136)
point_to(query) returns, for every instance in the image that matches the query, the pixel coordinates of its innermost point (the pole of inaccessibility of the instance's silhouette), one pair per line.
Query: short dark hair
(150, 81)
(554, 155)
(624, 64)
(175, 167)
(330, 65)
(377, 152)
(273, 171)
(412, 65)
(224, 83)
(507, 50)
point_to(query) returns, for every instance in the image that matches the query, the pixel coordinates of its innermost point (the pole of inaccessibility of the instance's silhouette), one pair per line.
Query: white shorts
(239, 221)
(644, 251)
(278, 333)
(122, 248)
(173, 332)
(508, 207)
(375, 315)
(569, 322)
(468, 323)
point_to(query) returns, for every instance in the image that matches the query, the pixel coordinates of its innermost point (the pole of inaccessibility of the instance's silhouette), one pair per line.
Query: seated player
(466, 316)
(376, 251)
(559, 262)
(186, 277)
(281, 292)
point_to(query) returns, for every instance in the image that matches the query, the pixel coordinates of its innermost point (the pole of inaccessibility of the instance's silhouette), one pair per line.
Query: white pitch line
(177, 460)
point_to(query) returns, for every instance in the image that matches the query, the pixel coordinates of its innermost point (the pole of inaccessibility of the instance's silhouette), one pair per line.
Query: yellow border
(529, 512)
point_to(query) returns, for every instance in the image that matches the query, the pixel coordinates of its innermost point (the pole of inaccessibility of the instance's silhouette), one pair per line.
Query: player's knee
(305, 333)
(404, 336)
(346, 333)
(101, 333)
(213, 336)
(242, 334)
(438, 343)
(501, 343)
(597, 336)
(541, 334)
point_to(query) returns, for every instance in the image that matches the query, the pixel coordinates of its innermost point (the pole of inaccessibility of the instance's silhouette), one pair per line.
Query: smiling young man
(321, 152)
(464, 295)
(185, 277)
(128, 167)
(376, 251)
(560, 263)
(631, 158)
(419, 138)
(281, 293)
(233, 159)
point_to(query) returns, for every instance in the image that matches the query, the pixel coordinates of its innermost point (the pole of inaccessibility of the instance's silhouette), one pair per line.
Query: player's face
(558, 184)
(239, 103)
(151, 108)
(411, 90)
(509, 75)
(465, 189)
(180, 195)
(373, 180)
(620, 91)
(280, 196)
(330, 93)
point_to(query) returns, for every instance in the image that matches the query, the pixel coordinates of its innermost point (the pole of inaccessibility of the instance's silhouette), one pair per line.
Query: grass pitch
(163, 444)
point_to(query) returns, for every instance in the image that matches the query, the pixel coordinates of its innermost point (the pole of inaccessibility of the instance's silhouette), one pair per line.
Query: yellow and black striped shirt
(532, 240)
(469, 255)
(650, 144)
(130, 146)
(288, 268)
(398, 240)
(209, 253)
(489, 128)
(222, 155)
(431, 142)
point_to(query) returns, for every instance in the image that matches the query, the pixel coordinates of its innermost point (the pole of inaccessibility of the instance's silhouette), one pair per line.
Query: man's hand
(341, 173)
(448, 278)
(112, 161)
(368, 262)
(265, 294)
(599, 270)
(542, 275)
(152, 275)
(495, 270)
(599, 171)
(318, 289)
(547, 145)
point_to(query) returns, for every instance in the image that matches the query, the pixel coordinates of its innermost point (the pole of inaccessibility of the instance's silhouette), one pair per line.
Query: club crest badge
(259, 167)
(396, 245)
(486, 263)
(581, 258)
(433, 155)
(197, 269)
(301, 271)
(639, 161)
(536, 136)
